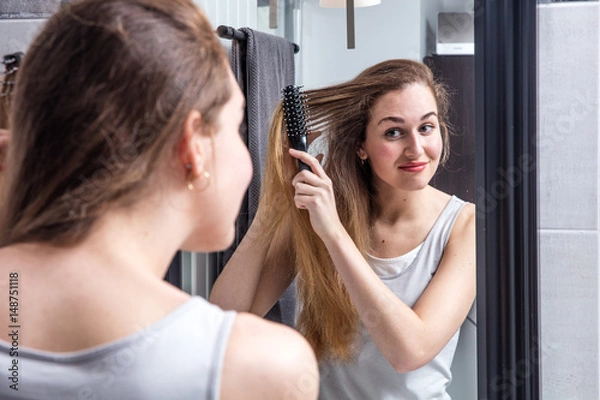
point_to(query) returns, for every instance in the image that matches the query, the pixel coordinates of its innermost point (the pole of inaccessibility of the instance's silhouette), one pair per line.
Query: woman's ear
(361, 153)
(192, 146)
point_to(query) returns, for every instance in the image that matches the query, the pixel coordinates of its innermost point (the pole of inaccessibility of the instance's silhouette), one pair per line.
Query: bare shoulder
(266, 360)
(462, 236)
(467, 214)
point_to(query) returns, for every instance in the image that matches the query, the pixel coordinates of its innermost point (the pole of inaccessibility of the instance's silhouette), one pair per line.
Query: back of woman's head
(102, 96)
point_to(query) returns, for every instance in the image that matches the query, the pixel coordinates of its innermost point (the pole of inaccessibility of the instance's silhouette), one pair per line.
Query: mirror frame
(506, 198)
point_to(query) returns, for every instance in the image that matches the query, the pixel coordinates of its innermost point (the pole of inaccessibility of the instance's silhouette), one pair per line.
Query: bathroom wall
(236, 13)
(569, 198)
(20, 20)
(391, 29)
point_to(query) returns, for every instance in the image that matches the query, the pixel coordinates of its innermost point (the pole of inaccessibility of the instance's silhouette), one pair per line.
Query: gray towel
(269, 68)
(263, 64)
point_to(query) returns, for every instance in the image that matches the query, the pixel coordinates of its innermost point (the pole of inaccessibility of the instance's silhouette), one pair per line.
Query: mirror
(447, 47)
(324, 59)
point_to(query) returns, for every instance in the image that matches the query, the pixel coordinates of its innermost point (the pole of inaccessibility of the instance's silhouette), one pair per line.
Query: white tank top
(371, 376)
(178, 357)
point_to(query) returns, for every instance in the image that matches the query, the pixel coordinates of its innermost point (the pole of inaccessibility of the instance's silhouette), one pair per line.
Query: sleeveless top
(371, 376)
(178, 357)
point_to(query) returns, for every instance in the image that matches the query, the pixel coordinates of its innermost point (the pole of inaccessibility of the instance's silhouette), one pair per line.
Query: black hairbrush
(295, 120)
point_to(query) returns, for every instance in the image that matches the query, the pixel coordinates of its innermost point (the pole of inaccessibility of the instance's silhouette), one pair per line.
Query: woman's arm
(408, 338)
(257, 273)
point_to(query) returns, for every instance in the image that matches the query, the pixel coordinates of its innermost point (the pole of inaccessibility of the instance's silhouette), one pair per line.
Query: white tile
(568, 128)
(569, 279)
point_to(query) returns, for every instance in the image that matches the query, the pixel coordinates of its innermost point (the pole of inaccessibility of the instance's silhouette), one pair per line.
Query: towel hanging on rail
(263, 65)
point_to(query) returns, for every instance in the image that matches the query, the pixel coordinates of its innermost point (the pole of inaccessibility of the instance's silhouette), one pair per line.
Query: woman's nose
(414, 147)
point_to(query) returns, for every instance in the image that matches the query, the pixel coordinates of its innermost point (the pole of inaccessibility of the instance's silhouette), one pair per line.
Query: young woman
(125, 149)
(385, 263)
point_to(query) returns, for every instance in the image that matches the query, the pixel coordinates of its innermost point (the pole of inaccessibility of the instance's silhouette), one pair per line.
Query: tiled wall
(569, 184)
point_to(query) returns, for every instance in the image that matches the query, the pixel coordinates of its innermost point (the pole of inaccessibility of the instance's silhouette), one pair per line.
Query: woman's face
(230, 171)
(403, 142)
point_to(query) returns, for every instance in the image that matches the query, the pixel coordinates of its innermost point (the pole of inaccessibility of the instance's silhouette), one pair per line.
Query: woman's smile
(413, 166)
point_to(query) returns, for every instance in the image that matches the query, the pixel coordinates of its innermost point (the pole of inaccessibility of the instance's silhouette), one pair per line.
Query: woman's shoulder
(267, 360)
(466, 216)
(457, 213)
(463, 229)
(466, 209)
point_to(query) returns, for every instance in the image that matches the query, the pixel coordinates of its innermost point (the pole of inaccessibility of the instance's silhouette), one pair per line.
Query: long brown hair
(327, 317)
(101, 98)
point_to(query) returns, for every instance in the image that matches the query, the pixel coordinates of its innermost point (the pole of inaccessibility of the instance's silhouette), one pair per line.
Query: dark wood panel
(457, 176)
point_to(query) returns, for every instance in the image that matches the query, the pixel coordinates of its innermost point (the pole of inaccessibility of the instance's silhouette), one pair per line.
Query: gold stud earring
(206, 176)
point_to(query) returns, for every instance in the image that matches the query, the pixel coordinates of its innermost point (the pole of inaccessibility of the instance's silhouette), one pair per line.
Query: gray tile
(568, 97)
(569, 314)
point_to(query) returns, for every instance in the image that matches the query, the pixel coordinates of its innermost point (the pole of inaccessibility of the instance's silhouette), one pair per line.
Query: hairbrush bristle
(294, 111)
(295, 120)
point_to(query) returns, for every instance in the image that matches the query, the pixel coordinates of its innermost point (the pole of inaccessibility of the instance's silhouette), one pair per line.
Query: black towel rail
(228, 32)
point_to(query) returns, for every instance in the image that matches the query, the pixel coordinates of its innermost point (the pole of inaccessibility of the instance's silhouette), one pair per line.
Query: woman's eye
(427, 128)
(393, 133)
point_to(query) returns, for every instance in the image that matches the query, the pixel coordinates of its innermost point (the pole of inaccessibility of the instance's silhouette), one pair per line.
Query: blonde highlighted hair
(328, 319)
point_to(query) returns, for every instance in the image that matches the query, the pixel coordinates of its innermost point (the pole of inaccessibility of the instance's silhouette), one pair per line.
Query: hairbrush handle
(299, 143)
(295, 120)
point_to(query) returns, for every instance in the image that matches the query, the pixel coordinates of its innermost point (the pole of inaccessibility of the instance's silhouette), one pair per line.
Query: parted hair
(101, 99)
(327, 316)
